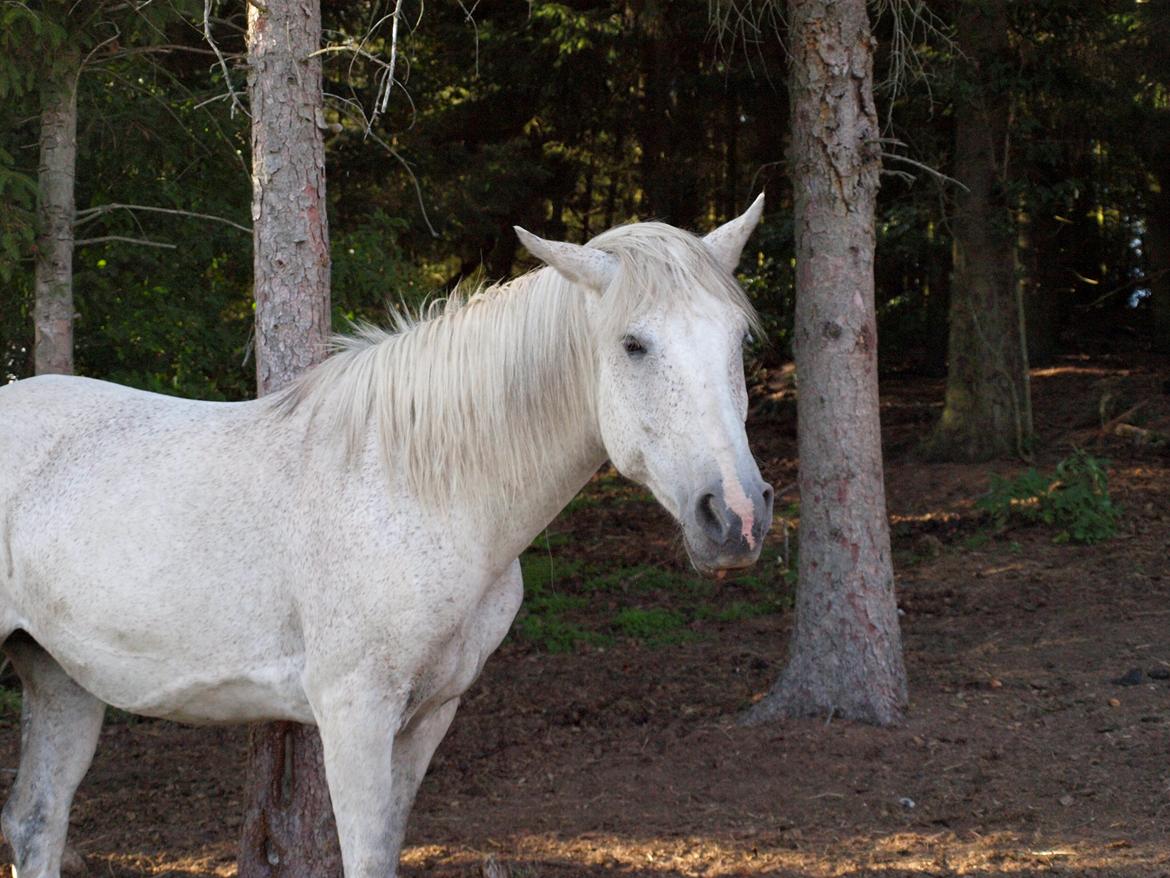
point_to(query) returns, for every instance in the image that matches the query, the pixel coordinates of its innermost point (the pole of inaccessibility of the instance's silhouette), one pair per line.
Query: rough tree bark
(53, 306)
(288, 827)
(988, 410)
(845, 657)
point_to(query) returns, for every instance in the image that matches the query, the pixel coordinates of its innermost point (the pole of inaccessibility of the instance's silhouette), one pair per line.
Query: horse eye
(633, 346)
(748, 339)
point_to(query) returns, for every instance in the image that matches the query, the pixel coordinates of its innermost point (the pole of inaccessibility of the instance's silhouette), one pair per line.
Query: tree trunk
(988, 410)
(845, 657)
(1157, 247)
(288, 826)
(53, 308)
(1043, 288)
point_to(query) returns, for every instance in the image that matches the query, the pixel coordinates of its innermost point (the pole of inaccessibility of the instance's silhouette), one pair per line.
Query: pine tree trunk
(289, 830)
(845, 658)
(988, 410)
(53, 308)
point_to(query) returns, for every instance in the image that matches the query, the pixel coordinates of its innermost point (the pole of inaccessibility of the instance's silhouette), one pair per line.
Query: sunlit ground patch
(788, 853)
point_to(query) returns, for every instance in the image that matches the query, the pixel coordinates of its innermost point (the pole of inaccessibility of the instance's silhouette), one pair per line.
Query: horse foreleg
(373, 776)
(357, 736)
(413, 749)
(60, 724)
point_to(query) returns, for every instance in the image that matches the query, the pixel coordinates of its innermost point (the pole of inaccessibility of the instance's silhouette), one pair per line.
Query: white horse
(344, 553)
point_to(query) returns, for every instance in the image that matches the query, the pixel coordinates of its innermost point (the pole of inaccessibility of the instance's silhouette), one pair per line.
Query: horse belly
(266, 692)
(201, 673)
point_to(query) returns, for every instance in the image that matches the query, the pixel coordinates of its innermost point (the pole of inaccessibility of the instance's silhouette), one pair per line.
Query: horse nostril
(707, 512)
(767, 494)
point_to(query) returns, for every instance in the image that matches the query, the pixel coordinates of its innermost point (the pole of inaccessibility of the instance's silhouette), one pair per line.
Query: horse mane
(469, 392)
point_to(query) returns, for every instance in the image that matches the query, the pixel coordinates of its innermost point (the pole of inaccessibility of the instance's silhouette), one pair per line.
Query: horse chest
(453, 662)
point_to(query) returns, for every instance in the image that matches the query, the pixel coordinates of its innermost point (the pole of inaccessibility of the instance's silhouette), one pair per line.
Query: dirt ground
(1022, 752)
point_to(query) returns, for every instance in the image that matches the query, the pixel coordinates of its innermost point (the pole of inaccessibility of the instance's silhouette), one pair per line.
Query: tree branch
(126, 240)
(222, 62)
(92, 213)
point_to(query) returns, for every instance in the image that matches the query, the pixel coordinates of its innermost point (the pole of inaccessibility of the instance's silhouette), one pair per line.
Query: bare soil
(1022, 753)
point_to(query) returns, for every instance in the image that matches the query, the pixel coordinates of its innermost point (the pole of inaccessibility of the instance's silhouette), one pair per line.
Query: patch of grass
(541, 571)
(553, 634)
(736, 611)
(541, 620)
(654, 626)
(772, 576)
(644, 578)
(548, 541)
(1074, 499)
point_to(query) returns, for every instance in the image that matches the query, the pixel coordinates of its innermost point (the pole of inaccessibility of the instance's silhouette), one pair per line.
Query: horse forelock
(661, 265)
(469, 391)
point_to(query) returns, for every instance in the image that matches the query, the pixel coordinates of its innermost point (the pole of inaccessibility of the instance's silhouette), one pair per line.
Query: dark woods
(571, 117)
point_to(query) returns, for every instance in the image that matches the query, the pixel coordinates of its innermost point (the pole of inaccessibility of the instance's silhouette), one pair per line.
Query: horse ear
(727, 241)
(580, 265)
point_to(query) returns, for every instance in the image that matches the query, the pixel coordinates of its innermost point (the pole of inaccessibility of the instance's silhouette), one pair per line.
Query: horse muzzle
(724, 530)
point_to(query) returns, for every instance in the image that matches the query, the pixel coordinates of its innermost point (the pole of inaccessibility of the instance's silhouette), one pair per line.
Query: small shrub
(1074, 499)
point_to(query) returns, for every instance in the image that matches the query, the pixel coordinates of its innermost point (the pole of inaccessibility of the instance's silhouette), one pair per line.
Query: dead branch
(125, 240)
(92, 213)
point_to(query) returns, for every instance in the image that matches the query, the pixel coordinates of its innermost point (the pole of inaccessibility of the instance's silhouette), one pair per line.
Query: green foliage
(18, 194)
(567, 118)
(1074, 499)
(370, 273)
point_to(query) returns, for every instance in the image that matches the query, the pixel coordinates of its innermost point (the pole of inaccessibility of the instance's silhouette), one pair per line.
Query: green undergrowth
(570, 603)
(1072, 500)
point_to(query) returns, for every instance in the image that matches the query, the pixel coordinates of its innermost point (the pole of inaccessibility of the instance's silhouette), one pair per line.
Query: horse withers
(344, 553)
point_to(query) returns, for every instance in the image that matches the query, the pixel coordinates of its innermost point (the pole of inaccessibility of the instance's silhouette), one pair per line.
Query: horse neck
(508, 430)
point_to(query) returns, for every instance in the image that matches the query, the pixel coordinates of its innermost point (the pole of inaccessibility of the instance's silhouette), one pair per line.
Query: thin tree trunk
(845, 657)
(988, 410)
(1041, 288)
(1157, 246)
(938, 297)
(53, 308)
(288, 830)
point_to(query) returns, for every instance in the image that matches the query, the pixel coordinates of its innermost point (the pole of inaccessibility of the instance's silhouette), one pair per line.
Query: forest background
(569, 118)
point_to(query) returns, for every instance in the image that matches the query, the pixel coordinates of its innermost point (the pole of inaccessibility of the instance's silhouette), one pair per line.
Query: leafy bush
(1075, 499)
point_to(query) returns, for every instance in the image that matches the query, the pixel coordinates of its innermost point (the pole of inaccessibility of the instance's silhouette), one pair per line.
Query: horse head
(669, 326)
